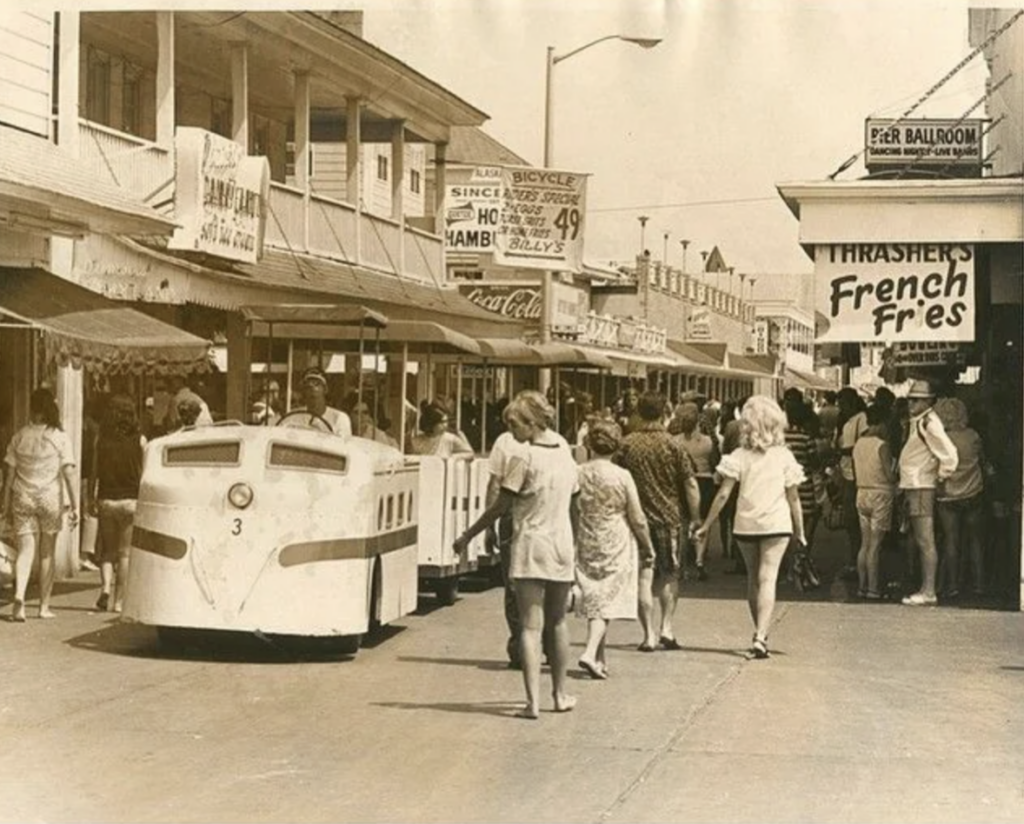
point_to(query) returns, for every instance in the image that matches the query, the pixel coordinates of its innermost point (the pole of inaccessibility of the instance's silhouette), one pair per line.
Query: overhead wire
(992, 37)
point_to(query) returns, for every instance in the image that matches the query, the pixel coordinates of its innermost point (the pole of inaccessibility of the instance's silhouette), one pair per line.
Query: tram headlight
(240, 495)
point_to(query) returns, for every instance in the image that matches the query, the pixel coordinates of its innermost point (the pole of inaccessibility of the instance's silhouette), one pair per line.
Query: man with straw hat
(927, 458)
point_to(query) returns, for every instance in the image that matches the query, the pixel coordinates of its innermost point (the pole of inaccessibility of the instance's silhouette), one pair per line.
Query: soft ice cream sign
(889, 292)
(220, 196)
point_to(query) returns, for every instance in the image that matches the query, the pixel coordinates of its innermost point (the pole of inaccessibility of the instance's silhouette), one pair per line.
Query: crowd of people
(658, 477)
(904, 477)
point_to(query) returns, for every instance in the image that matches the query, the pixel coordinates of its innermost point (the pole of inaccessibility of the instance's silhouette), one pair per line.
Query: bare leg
(667, 587)
(23, 571)
(862, 556)
(47, 572)
(596, 628)
(646, 606)
(556, 597)
(751, 557)
(530, 597)
(124, 549)
(875, 538)
(923, 527)
(766, 573)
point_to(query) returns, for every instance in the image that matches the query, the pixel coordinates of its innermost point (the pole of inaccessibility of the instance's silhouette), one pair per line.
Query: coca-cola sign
(513, 302)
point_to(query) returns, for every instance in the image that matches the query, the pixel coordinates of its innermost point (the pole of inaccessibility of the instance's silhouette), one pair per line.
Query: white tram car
(292, 531)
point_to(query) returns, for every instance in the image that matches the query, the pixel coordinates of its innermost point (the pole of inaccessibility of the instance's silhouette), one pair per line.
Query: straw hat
(920, 389)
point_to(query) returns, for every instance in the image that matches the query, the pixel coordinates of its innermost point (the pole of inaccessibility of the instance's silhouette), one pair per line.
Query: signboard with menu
(894, 292)
(926, 143)
(220, 196)
(472, 212)
(542, 219)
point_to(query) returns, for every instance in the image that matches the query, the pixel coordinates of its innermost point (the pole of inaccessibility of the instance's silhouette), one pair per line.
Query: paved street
(864, 713)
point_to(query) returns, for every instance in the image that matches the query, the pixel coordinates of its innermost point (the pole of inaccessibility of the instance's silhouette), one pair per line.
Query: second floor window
(382, 167)
(414, 181)
(97, 89)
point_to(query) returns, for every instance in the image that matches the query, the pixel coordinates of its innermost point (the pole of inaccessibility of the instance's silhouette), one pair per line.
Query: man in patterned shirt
(665, 479)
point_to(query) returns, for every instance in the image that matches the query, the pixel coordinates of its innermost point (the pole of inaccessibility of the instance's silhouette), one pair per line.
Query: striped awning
(85, 330)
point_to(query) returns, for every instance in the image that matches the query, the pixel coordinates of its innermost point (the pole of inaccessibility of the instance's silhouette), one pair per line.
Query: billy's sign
(908, 292)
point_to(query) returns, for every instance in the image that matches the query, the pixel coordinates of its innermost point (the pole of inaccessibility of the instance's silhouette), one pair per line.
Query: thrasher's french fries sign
(895, 292)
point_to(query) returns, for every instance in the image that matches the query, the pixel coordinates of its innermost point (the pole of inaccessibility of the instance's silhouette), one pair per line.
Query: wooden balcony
(316, 224)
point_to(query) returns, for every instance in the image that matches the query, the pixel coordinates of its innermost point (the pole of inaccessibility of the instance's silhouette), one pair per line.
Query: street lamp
(554, 59)
(643, 225)
(684, 244)
(547, 299)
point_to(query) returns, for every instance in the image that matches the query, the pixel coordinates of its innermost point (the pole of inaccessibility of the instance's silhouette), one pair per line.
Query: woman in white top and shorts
(538, 488)
(768, 512)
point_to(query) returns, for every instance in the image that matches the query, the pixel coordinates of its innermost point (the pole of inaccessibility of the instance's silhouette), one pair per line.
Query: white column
(440, 184)
(165, 78)
(353, 167)
(69, 401)
(302, 148)
(240, 94)
(67, 89)
(398, 187)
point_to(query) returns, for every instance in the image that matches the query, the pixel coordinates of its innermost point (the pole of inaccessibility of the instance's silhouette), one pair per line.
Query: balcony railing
(139, 166)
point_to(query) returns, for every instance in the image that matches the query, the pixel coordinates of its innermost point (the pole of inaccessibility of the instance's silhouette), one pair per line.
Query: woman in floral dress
(611, 525)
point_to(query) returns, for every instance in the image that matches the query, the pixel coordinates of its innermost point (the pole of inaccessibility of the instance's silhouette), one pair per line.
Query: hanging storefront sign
(889, 292)
(472, 214)
(760, 337)
(925, 354)
(542, 219)
(220, 197)
(923, 143)
(699, 327)
(569, 308)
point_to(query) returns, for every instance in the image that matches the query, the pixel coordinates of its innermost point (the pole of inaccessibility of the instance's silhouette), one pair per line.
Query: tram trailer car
(276, 530)
(453, 494)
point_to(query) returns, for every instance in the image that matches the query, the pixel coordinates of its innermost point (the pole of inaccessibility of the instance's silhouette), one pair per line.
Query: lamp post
(684, 244)
(547, 298)
(643, 226)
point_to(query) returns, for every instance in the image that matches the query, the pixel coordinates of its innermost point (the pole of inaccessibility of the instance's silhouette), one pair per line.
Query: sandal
(759, 649)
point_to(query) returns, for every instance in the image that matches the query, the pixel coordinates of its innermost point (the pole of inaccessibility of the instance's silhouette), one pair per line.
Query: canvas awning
(350, 324)
(86, 330)
(805, 380)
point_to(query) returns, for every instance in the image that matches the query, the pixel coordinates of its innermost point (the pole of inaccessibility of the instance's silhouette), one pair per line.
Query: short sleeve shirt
(544, 478)
(763, 477)
(37, 453)
(660, 466)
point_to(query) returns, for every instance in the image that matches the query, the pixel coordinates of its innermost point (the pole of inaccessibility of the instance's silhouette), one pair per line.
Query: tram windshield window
(220, 453)
(296, 457)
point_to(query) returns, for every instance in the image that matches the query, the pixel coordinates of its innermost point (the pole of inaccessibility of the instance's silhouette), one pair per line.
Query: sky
(697, 132)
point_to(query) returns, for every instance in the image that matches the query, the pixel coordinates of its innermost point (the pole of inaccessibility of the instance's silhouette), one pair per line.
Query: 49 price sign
(542, 219)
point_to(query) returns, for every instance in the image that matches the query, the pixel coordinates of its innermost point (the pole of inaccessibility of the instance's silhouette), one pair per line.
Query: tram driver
(314, 398)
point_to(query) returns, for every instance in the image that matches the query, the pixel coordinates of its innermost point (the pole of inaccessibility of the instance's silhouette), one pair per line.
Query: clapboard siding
(26, 67)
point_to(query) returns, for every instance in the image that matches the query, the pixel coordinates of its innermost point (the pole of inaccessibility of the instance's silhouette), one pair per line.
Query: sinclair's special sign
(220, 196)
(541, 219)
(895, 292)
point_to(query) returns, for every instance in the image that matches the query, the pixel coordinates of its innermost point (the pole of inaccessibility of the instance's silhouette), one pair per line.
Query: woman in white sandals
(768, 512)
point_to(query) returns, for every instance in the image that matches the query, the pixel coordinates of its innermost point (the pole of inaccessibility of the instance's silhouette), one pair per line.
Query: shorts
(667, 550)
(875, 508)
(920, 502)
(115, 519)
(36, 510)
